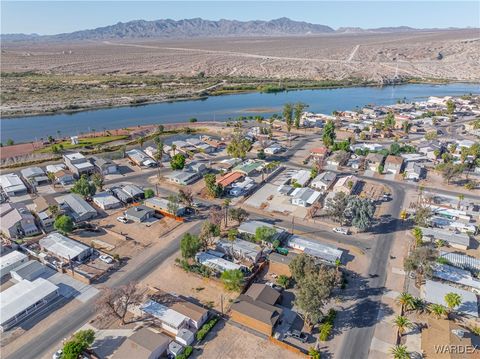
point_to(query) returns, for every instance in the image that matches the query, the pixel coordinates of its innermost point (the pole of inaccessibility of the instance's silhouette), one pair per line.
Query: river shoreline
(153, 100)
(219, 108)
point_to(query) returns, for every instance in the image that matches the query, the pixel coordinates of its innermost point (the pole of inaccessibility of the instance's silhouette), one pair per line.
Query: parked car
(274, 286)
(297, 334)
(122, 219)
(57, 354)
(341, 230)
(106, 259)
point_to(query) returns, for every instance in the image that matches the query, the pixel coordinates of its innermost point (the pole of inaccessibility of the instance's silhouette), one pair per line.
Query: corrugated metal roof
(22, 295)
(315, 249)
(62, 246)
(462, 261)
(434, 292)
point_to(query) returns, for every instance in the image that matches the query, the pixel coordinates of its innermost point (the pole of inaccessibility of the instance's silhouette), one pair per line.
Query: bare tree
(115, 302)
(216, 215)
(185, 196)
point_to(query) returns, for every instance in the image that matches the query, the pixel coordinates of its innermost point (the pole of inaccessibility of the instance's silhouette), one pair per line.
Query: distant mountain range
(196, 28)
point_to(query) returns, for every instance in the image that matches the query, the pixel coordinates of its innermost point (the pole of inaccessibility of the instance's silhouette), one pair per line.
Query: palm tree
(158, 157)
(406, 300)
(400, 352)
(452, 300)
(226, 204)
(437, 310)
(461, 197)
(141, 141)
(402, 323)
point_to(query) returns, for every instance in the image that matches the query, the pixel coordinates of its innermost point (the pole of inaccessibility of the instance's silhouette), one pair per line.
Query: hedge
(186, 353)
(207, 327)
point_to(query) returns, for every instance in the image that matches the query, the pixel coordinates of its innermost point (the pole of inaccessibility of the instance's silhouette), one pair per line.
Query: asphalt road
(365, 315)
(41, 344)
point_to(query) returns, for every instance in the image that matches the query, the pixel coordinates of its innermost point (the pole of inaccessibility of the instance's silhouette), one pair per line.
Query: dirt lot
(111, 238)
(323, 56)
(170, 278)
(105, 73)
(233, 342)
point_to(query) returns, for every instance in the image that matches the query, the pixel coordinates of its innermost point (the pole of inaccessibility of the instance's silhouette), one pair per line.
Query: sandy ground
(324, 56)
(171, 278)
(231, 342)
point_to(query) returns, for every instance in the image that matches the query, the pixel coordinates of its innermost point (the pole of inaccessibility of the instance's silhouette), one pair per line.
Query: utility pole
(293, 224)
(221, 303)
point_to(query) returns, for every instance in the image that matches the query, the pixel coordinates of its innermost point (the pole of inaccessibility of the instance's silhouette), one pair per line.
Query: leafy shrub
(325, 331)
(186, 353)
(207, 327)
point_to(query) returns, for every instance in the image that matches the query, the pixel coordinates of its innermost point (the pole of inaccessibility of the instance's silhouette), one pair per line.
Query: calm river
(25, 129)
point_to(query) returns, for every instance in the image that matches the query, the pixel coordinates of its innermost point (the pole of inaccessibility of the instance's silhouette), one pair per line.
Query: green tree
(283, 281)
(83, 187)
(192, 120)
(288, 116)
(402, 323)
(361, 212)
(298, 109)
(10, 142)
(406, 300)
(301, 265)
(189, 245)
(452, 300)
(389, 122)
(313, 172)
(313, 292)
(232, 279)
(437, 310)
(265, 234)
(173, 204)
(149, 193)
(238, 214)
(214, 189)
(329, 136)
(80, 341)
(400, 352)
(314, 353)
(177, 162)
(238, 146)
(417, 233)
(63, 224)
(98, 181)
(450, 107)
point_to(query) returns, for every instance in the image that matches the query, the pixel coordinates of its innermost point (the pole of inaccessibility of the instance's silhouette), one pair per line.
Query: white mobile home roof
(10, 182)
(105, 199)
(77, 204)
(434, 292)
(462, 261)
(9, 260)
(315, 249)
(215, 262)
(62, 246)
(247, 249)
(456, 275)
(22, 295)
(164, 314)
(447, 236)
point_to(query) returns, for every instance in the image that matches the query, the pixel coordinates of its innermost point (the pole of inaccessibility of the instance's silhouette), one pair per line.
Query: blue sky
(51, 17)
